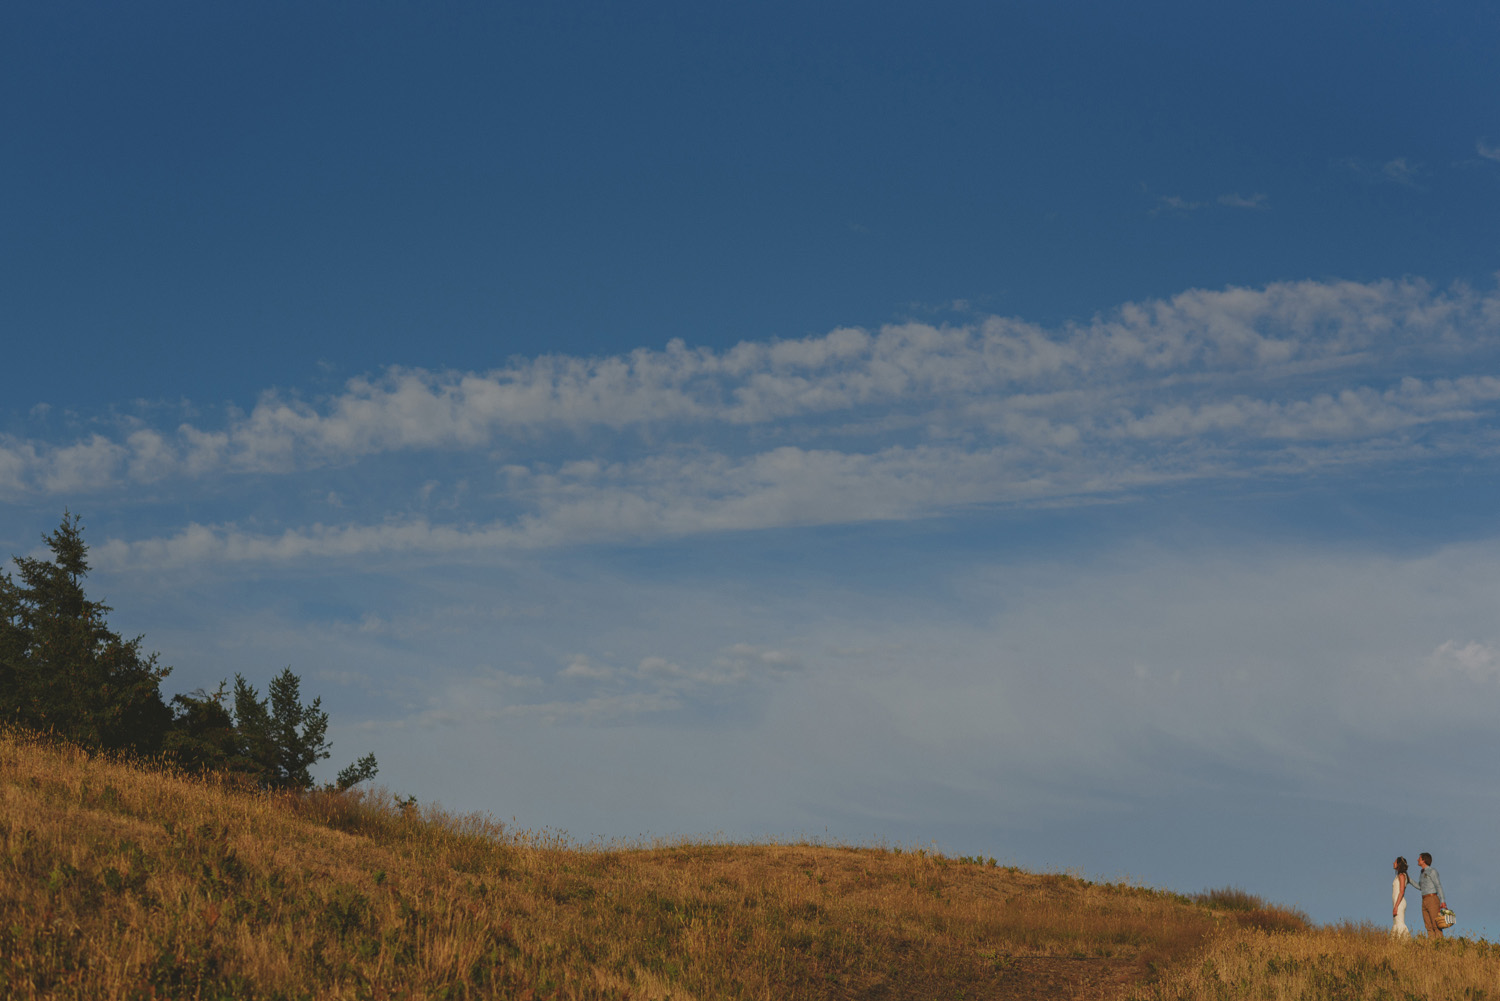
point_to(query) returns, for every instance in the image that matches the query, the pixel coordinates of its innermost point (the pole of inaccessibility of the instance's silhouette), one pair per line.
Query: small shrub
(1230, 898)
(1274, 918)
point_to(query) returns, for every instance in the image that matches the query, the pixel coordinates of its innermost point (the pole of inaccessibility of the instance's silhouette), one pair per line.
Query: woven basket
(1445, 918)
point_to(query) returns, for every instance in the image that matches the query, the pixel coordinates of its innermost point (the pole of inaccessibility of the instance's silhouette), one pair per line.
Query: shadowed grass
(123, 882)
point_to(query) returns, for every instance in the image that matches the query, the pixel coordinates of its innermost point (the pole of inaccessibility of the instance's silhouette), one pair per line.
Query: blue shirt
(1429, 883)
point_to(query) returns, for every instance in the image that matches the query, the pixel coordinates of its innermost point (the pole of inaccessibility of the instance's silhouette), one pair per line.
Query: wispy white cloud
(1350, 413)
(673, 498)
(582, 667)
(85, 466)
(18, 464)
(593, 709)
(908, 421)
(1258, 201)
(1176, 203)
(1478, 661)
(1487, 151)
(657, 685)
(587, 690)
(737, 665)
(690, 493)
(1400, 171)
(1233, 200)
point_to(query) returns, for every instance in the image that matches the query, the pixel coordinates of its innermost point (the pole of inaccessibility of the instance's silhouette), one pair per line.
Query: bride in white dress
(1398, 900)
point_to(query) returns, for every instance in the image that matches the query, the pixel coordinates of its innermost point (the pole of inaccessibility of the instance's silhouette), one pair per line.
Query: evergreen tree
(297, 730)
(273, 742)
(13, 645)
(64, 672)
(280, 742)
(255, 751)
(363, 769)
(203, 736)
(62, 669)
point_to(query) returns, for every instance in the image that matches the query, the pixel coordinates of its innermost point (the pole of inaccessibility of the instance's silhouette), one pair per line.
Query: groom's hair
(1426, 857)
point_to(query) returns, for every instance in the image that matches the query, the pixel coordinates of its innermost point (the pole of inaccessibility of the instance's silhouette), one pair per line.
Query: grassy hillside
(119, 882)
(1347, 963)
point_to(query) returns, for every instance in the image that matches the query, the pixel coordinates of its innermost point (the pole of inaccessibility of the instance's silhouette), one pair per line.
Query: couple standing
(1433, 898)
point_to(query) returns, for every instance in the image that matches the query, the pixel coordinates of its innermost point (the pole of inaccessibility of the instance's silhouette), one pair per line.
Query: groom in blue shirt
(1433, 896)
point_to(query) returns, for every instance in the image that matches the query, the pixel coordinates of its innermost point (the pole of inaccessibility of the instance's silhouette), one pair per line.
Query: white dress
(1398, 901)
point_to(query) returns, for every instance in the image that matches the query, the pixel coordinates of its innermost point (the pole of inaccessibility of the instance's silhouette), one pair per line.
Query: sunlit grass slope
(1347, 963)
(123, 882)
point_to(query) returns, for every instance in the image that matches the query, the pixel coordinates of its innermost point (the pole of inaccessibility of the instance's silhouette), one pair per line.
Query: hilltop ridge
(119, 881)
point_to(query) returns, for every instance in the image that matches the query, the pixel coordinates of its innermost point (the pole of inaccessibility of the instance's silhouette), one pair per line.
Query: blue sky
(1062, 432)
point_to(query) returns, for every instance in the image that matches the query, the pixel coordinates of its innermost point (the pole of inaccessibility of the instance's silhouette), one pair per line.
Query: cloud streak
(908, 421)
(1257, 201)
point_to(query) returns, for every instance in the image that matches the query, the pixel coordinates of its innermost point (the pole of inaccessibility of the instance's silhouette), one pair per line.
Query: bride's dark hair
(1400, 863)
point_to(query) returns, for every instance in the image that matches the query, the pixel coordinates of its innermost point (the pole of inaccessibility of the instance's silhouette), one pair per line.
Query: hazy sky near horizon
(1063, 432)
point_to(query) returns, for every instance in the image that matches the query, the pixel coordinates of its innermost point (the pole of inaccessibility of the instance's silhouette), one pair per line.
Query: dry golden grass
(1347, 963)
(118, 882)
